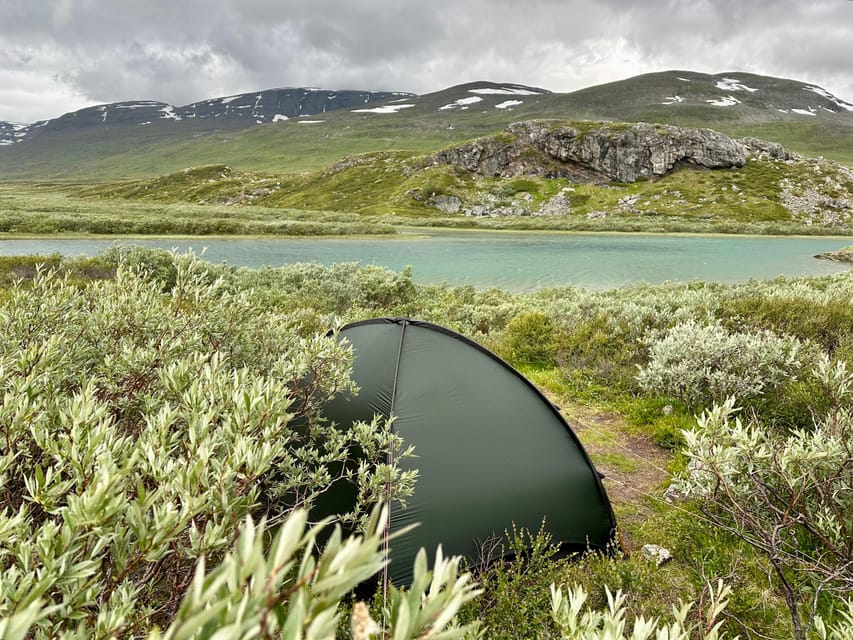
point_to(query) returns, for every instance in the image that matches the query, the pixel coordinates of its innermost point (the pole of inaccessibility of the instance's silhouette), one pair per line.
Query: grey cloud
(182, 51)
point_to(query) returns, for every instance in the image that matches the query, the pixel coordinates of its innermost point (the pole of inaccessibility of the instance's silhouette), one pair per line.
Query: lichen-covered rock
(810, 206)
(765, 148)
(448, 204)
(608, 152)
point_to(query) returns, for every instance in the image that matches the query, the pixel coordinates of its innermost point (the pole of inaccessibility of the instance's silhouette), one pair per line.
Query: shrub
(284, 589)
(788, 496)
(515, 578)
(529, 339)
(140, 427)
(701, 364)
(828, 323)
(611, 623)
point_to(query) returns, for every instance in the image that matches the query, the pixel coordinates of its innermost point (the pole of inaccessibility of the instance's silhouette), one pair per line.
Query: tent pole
(390, 461)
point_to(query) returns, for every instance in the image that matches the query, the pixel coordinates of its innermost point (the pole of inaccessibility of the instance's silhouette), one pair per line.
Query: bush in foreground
(789, 496)
(140, 427)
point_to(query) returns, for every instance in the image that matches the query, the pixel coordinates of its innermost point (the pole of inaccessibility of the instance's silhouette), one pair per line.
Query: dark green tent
(491, 450)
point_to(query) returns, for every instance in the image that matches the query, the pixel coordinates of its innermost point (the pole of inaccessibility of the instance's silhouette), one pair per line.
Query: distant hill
(12, 132)
(292, 130)
(719, 97)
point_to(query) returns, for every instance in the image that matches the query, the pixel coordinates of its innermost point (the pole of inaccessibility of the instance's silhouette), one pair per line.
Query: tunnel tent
(491, 450)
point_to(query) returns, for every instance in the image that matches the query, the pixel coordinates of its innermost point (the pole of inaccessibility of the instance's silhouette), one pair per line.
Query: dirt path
(634, 467)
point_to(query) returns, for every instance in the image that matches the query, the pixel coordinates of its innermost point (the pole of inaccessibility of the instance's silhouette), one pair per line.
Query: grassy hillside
(794, 195)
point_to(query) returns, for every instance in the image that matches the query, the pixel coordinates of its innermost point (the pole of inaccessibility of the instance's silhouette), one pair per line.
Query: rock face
(606, 153)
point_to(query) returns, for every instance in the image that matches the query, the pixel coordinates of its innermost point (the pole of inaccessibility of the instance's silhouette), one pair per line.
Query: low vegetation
(51, 209)
(159, 410)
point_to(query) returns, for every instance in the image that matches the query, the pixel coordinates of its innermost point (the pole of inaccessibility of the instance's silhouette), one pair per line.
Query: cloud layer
(60, 55)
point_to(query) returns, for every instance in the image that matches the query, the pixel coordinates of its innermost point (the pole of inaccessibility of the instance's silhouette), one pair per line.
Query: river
(519, 261)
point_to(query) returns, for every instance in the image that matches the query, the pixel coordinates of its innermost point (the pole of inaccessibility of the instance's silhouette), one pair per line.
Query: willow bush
(787, 495)
(283, 588)
(141, 423)
(704, 363)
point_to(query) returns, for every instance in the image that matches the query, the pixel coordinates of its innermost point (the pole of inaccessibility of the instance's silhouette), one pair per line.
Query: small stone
(673, 494)
(361, 624)
(657, 554)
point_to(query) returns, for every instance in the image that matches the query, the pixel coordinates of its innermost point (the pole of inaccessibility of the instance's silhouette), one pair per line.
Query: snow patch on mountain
(727, 101)
(730, 84)
(12, 132)
(169, 113)
(505, 91)
(508, 104)
(134, 105)
(310, 121)
(385, 108)
(826, 94)
(673, 100)
(803, 112)
(279, 117)
(461, 103)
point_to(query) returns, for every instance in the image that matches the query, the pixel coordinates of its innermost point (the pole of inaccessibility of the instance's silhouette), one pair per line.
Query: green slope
(800, 194)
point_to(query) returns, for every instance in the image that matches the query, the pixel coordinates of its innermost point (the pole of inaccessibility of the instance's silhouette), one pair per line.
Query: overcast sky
(60, 55)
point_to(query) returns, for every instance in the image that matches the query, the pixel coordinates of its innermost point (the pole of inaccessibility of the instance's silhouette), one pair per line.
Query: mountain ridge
(263, 130)
(257, 107)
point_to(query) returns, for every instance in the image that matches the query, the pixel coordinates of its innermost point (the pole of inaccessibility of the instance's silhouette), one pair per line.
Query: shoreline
(409, 232)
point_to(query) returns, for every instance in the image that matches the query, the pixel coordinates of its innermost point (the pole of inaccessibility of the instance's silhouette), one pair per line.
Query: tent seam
(390, 460)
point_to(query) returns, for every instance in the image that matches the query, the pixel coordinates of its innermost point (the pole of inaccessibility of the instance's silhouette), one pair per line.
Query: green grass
(45, 209)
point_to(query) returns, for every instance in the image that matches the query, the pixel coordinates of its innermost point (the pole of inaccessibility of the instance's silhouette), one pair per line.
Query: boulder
(448, 204)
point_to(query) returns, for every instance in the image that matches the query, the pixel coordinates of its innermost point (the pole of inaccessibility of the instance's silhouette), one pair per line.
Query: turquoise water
(515, 261)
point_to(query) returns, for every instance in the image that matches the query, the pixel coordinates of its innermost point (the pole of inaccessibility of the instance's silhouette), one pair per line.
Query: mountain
(272, 130)
(243, 110)
(730, 95)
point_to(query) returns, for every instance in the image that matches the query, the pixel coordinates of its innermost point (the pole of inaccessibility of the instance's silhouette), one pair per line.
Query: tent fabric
(491, 450)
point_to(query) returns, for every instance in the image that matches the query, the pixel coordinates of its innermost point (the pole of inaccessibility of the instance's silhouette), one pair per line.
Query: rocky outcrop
(842, 255)
(767, 149)
(448, 204)
(603, 153)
